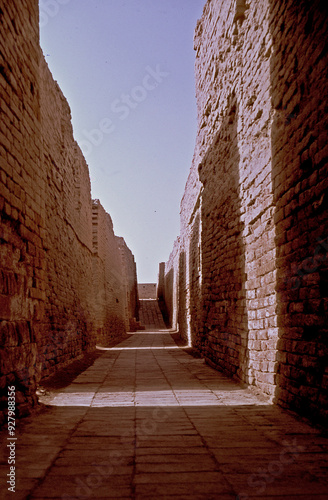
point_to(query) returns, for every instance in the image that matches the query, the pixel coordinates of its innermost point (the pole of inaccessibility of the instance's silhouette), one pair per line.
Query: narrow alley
(148, 420)
(208, 380)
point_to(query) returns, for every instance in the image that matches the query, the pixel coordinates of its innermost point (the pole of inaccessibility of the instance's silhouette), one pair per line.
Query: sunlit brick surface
(247, 279)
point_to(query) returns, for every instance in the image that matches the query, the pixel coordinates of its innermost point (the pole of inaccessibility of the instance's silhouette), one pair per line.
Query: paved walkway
(149, 421)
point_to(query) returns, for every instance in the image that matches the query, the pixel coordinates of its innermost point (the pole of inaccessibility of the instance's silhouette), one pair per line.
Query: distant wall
(66, 281)
(110, 298)
(170, 287)
(129, 279)
(147, 290)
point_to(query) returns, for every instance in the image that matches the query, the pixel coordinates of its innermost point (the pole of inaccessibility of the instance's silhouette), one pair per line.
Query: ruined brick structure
(247, 281)
(66, 281)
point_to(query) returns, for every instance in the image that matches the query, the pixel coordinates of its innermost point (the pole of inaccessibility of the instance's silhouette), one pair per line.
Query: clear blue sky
(126, 68)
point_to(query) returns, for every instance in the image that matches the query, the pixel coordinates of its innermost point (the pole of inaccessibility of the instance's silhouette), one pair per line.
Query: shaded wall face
(170, 273)
(299, 175)
(132, 287)
(22, 201)
(183, 297)
(222, 250)
(161, 281)
(129, 278)
(232, 302)
(110, 299)
(68, 235)
(195, 281)
(169, 297)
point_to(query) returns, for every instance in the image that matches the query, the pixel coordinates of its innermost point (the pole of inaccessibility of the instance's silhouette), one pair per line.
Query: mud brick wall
(300, 185)
(182, 265)
(108, 284)
(237, 249)
(226, 262)
(22, 202)
(147, 290)
(251, 272)
(62, 283)
(68, 237)
(129, 278)
(170, 289)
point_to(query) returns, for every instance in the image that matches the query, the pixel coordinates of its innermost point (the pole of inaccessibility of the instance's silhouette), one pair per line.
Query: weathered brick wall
(129, 278)
(68, 237)
(170, 287)
(300, 185)
(62, 280)
(111, 297)
(147, 290)
(188, 253)
(227, 237)
(255, 203)
(233, 82)
(22, 201)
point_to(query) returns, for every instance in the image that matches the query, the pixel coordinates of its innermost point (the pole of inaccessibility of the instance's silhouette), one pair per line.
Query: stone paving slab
(147, 420)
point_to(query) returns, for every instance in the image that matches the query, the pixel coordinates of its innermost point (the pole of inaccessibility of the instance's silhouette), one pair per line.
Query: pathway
(149, 421)
(150, 315)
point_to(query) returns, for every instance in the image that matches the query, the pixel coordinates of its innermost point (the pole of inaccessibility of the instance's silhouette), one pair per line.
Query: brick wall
(300, 185)
(129, 278)
(227, 205)
(69, 308)
(254, 209)
(66, 281)
(22, 201)
(170, 289)
(147, 290)
(107, 272)
(237, 243)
